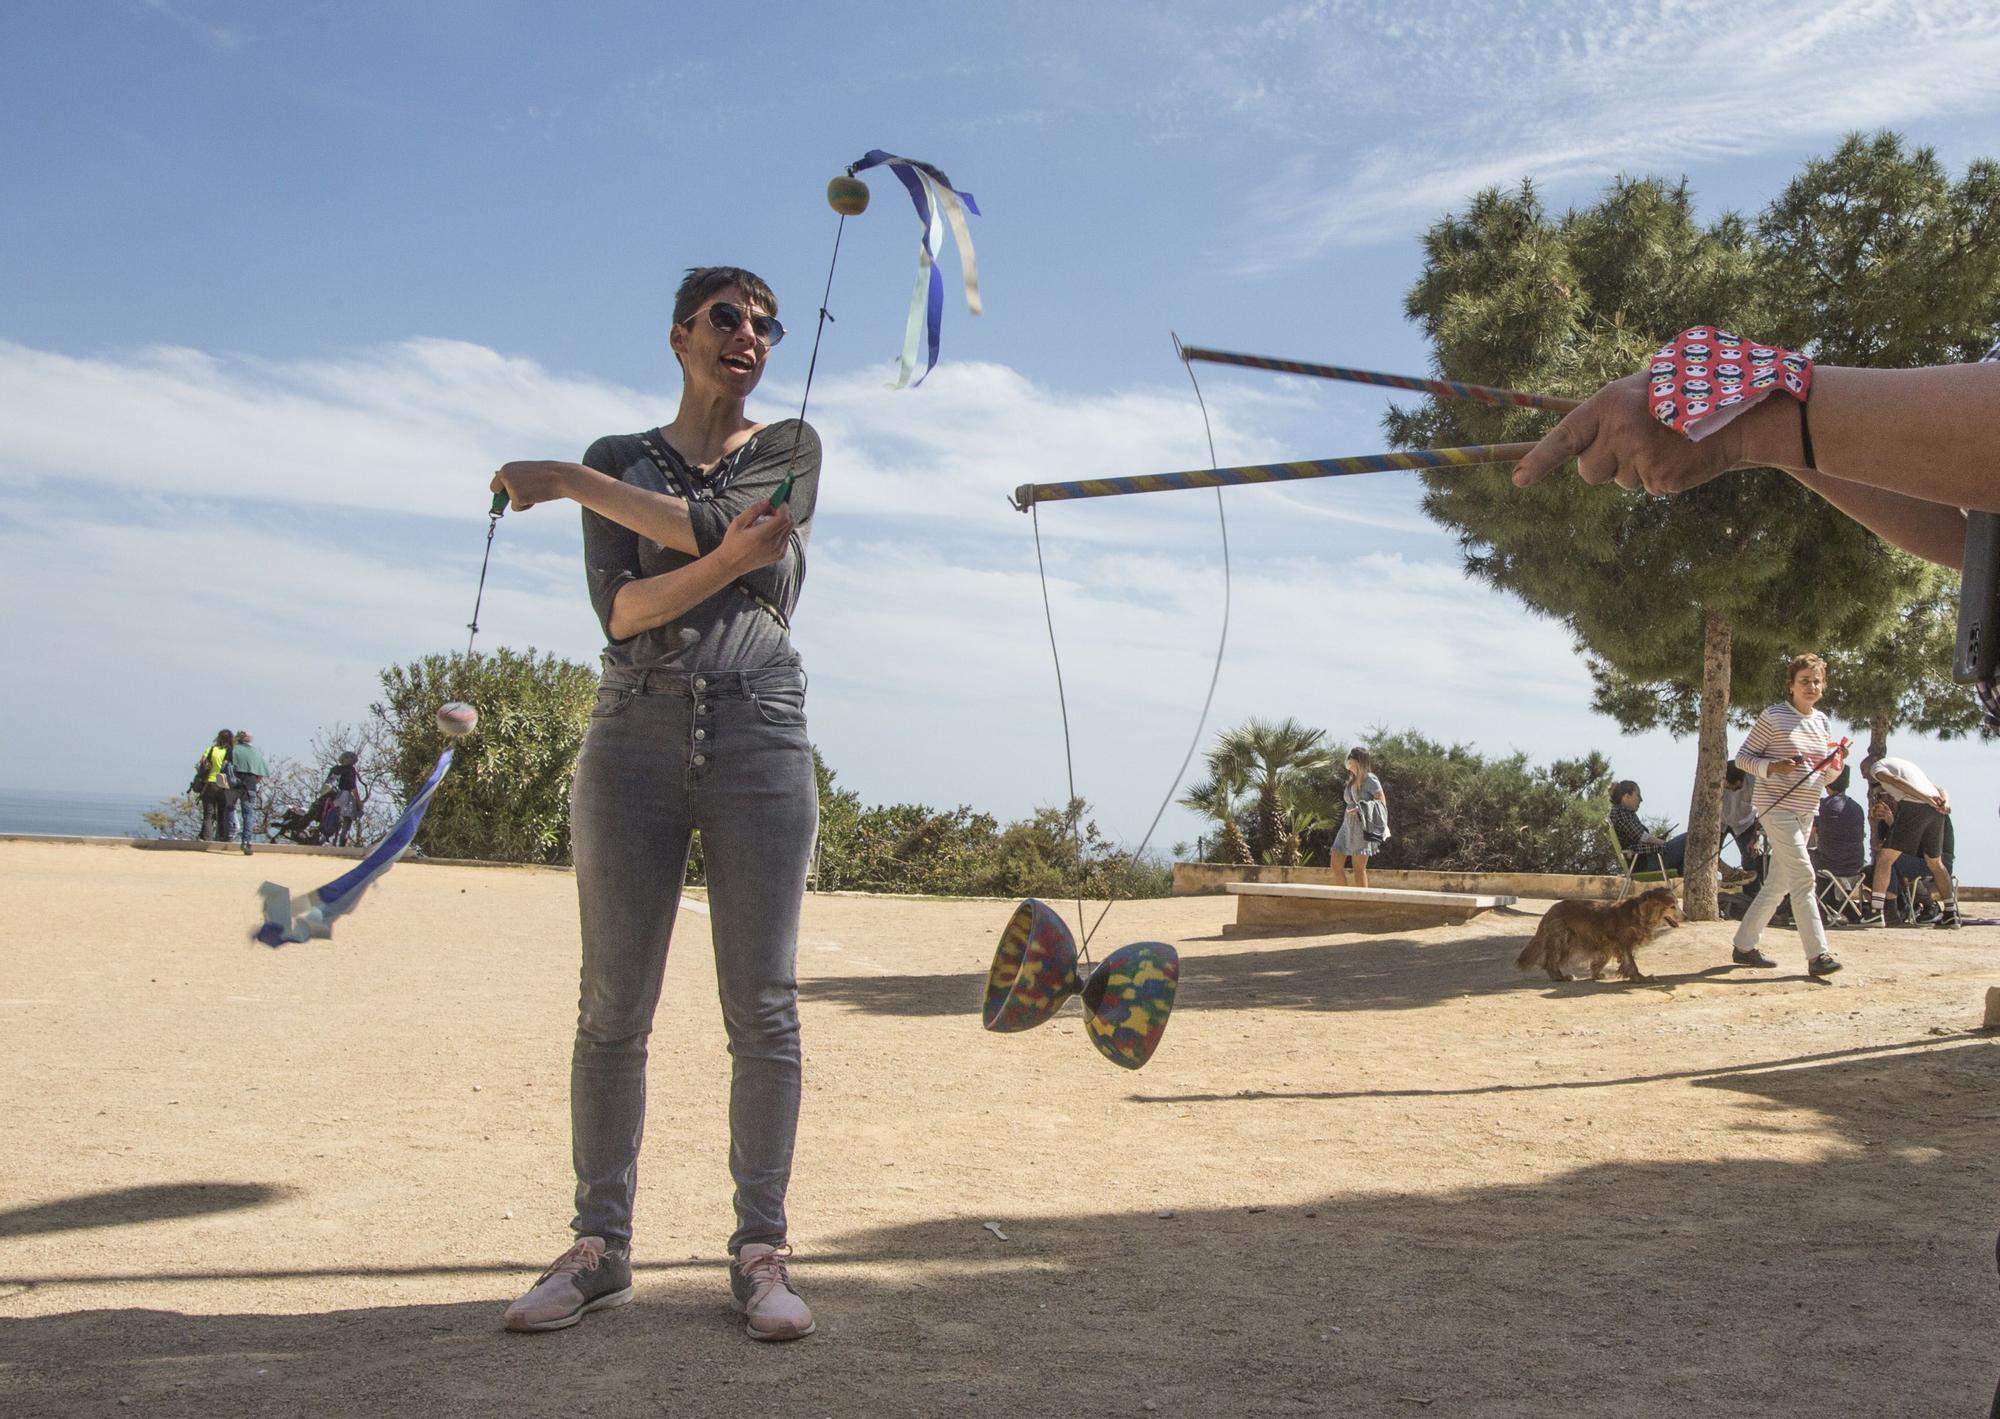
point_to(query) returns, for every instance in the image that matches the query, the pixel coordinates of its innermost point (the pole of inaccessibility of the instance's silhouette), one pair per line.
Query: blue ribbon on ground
(938, 204)
(294, 919)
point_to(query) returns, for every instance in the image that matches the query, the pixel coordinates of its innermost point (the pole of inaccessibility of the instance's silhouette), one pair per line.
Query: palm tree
(1216, 800)
(1268, 757)
(1307, 812)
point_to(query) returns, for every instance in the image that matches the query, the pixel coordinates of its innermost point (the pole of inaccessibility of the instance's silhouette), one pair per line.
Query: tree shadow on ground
(1341, 974)
(1857, 1283)
(121, 1207)
(1723, 1074)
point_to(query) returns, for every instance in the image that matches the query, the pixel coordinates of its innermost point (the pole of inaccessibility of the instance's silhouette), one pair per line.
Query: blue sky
(284, 283)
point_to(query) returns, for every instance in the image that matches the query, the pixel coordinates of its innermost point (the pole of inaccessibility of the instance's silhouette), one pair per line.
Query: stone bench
(1275, 908)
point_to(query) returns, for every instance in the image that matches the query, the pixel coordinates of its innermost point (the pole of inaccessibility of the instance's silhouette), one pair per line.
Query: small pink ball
(457, 718)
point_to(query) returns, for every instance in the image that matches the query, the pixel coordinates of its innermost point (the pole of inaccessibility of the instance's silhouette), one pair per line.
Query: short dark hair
(701, 282)
(1734, 775)
(1841, 780)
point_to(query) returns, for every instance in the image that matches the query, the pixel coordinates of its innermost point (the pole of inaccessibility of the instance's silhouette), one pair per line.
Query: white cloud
(415, 428)
(1573, 92)
(214, 36)
(191, 541)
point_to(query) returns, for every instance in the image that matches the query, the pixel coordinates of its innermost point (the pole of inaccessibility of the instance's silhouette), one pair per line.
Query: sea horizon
(63, 813)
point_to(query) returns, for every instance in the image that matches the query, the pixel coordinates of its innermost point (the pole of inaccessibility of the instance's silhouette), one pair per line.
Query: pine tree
(1902, 678)
(1685, 607)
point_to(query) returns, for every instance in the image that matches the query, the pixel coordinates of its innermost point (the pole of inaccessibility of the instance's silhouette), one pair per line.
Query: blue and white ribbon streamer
(938, 205)
(289, 918)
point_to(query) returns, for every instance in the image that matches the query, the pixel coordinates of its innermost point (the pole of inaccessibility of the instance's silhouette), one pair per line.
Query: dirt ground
(1364, 1175)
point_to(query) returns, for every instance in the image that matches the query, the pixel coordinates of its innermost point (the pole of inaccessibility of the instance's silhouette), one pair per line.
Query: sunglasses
(728, 318)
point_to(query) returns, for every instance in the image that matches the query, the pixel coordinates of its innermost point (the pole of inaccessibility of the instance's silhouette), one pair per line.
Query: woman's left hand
(534, 481)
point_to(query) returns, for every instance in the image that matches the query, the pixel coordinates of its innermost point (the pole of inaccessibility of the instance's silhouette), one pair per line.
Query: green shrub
(506, 798)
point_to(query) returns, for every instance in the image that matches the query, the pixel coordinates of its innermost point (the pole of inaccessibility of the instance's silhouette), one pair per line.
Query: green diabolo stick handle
(499, 504)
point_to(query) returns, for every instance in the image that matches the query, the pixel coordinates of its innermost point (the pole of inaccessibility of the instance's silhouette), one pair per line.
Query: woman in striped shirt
(1787, 753)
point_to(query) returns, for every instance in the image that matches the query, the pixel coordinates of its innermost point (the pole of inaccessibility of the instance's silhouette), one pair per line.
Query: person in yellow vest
(211, 785)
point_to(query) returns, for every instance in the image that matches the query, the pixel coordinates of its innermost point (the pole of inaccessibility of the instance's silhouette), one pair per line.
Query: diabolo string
(824, 316)
(1215, 676)
(492, 526)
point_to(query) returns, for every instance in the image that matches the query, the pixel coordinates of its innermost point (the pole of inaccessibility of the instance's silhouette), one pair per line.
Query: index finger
(1558, 446)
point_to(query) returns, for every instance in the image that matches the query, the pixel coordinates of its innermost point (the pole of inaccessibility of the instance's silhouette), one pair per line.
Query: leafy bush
(1453, 810)
(506, 798)
(908, 847)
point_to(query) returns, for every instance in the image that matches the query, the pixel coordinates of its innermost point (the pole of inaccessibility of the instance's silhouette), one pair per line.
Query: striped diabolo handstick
(1028, 494)
(1443, 388)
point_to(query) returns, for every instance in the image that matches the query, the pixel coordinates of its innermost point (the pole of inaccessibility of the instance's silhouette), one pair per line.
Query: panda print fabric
(1708, 376)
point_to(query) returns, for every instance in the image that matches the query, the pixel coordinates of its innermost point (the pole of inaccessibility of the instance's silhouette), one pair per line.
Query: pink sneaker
(588, 1277)
(761, 1291)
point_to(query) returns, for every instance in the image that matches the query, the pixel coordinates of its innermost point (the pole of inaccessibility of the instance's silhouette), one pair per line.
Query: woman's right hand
(757, 537)
(531, 481)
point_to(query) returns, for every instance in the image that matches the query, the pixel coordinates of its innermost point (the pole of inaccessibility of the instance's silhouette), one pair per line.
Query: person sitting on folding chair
(1739, 821)
(1636, 839)
(1840, 855)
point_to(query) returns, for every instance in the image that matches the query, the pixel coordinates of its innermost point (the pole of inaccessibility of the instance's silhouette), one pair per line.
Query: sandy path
(1401, 1178)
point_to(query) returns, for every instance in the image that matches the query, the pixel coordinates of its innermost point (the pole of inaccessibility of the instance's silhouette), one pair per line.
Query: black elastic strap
(1805, 438)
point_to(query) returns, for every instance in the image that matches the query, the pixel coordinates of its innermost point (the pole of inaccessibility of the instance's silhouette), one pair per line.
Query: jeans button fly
(701, 734)
(701, 684)
(701, 758)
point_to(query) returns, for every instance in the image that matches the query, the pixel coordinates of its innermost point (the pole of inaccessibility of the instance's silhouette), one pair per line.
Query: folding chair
(1629, 866)
(1903, 887)
(1842, 901)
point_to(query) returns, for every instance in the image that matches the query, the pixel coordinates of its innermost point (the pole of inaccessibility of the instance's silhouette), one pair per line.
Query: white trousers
(1791, 873)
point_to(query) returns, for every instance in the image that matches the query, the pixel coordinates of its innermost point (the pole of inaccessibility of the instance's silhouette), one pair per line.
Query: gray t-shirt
(740, 626)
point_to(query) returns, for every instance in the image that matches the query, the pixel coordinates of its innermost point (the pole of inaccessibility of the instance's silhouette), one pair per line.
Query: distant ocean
(114, 815)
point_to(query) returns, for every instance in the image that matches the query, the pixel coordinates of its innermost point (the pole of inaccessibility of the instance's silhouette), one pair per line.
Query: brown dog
(1576, 934)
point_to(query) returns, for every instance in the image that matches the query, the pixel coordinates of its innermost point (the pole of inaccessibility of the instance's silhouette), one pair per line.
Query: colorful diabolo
(847, 195)
(1129, 997)
(1126, 1000)
(1034, 970)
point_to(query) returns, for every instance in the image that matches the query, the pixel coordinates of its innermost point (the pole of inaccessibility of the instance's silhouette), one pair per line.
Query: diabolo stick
(1442, 388)
(1028, 494)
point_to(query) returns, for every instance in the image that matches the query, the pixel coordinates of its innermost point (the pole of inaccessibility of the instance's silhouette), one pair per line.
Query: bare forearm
(1933, 531)
(655, 600)
(658, 516)
(1928, 434)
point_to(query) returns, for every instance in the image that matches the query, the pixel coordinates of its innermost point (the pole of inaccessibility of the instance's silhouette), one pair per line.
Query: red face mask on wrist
(1708, 376)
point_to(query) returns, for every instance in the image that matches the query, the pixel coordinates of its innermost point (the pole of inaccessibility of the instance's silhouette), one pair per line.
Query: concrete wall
(1202, 879)
(1206, 879)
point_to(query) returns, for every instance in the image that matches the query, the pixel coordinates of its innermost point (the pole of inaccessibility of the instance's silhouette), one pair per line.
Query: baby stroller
(311, 826)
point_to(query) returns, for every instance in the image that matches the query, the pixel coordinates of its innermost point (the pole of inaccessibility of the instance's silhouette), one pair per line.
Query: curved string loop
(1208, 702)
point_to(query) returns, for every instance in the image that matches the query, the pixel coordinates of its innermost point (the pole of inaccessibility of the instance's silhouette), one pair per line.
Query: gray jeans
(669, 752)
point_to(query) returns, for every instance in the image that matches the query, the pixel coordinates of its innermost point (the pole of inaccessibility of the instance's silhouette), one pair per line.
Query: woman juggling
(699, 724)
